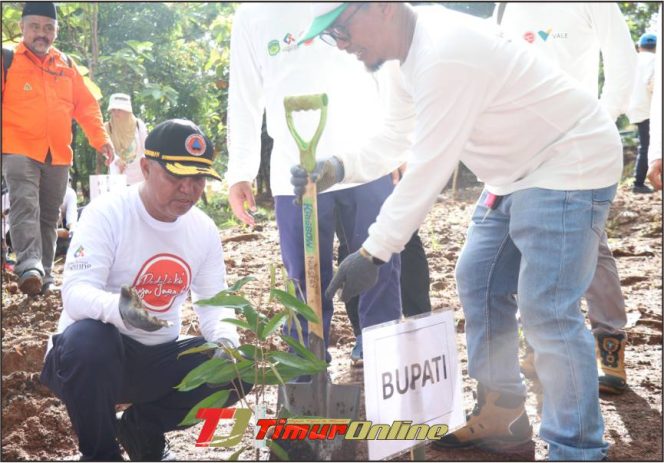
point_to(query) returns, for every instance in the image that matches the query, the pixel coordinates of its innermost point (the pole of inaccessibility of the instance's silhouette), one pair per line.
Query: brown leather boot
(498, 422)
(610, 353)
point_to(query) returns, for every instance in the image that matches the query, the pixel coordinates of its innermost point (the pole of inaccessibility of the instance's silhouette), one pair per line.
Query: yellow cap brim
(187, 170)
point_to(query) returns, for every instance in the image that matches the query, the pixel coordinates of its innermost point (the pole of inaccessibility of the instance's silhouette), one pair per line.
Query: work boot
(357, 354)
(140, 442)
(30, 282)
(610, 353)
(498, 422)
(528, 363)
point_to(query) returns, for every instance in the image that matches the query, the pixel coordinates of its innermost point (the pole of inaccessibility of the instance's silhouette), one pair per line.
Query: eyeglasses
(338, 32)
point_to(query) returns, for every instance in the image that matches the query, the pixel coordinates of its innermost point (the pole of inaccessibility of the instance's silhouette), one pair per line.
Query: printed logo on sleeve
(79, 262)
(161, 280)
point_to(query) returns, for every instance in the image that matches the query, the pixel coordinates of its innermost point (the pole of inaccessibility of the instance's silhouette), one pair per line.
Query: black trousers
(92, 367)
(415, 281)
(641, 167)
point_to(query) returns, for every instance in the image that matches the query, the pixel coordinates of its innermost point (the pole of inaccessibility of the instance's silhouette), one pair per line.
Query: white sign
(411, 373)
(100, 184)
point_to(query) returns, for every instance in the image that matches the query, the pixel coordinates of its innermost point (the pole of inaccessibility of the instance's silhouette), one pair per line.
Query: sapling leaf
(216, 400)
(202, 348)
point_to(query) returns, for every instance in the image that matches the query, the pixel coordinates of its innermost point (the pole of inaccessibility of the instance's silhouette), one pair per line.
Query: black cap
(40, 9)
(182, 148)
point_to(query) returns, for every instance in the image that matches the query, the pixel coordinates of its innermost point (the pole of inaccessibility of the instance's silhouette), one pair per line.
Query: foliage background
(173, 58)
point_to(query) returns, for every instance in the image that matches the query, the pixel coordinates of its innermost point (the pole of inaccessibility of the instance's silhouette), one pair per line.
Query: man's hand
(357, 273)
(108, 152)
(655, 174)
(325, 174)
(225, 345)
(238, 195)
(134, 314)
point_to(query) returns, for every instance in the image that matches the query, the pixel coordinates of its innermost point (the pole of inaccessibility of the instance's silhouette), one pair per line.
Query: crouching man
(133, 261)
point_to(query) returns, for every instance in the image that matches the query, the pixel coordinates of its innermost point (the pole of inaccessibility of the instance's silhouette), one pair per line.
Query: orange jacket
(39, 100)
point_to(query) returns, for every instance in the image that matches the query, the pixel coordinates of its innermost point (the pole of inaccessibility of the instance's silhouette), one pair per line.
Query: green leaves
(291, 302)
(241, 282)
(216, 400)
(257, 362)
(277, 450)
(200, 374)
(202, 348)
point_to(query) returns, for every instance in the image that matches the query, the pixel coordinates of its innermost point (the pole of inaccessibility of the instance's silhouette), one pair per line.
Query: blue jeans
(356, 208)
(542, 245)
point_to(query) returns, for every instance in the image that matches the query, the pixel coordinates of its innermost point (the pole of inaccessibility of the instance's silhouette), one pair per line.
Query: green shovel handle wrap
(306, 103)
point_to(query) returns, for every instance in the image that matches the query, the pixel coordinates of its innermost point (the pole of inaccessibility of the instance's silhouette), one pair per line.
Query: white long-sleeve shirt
(266, 65)
(655, 149)
(119, 243)
(639, 106)
(514, 119)
(572, 35)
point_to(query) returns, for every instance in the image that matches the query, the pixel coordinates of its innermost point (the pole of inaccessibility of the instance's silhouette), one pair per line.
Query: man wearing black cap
(42, 92)
(133, 261)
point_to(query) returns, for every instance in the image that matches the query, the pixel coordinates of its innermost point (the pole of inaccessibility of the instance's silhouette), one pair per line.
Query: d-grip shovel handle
(310, 211)
(306, 103)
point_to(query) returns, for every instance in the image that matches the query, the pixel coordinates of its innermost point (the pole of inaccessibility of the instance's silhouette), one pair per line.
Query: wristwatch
(374, 260)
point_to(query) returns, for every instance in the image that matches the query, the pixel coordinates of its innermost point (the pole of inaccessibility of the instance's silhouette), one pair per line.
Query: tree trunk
(94, 61)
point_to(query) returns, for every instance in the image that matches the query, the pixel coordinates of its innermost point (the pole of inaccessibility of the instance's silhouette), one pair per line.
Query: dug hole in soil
(35, 425)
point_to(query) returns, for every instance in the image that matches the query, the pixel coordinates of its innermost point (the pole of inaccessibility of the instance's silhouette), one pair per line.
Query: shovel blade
(339, 401)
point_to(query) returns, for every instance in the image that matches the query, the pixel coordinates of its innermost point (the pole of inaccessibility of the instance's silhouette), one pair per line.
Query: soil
(35, 425)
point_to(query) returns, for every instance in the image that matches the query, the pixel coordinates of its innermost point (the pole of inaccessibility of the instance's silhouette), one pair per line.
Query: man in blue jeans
(550, 157)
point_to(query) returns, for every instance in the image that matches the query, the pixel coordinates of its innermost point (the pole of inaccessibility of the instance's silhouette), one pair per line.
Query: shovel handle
(294, 104)
(306, 103)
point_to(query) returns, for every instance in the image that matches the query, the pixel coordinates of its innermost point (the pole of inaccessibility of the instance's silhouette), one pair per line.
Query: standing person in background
(639, 108)
(128, 136)
(67, 222)
(266, 66)
(571, 36)
(655, 150)
(6, 264)
(43, 92)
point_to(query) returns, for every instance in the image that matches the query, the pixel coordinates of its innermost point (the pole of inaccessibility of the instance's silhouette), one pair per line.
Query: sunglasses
(338, 32)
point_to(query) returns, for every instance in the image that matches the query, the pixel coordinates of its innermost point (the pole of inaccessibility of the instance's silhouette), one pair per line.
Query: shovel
(320, 397)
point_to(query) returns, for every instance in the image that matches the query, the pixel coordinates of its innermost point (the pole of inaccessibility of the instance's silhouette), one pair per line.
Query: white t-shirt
(655, 149)
(265, 66)
(514, 119)
(69, 209)
(639, 107)
(118, 243)
(571, 35)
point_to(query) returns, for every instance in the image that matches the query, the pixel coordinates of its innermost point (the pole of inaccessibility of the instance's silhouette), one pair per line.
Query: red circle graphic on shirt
(162, 278)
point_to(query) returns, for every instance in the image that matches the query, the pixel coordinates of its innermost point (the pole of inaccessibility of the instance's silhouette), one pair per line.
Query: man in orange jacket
(41, 95)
